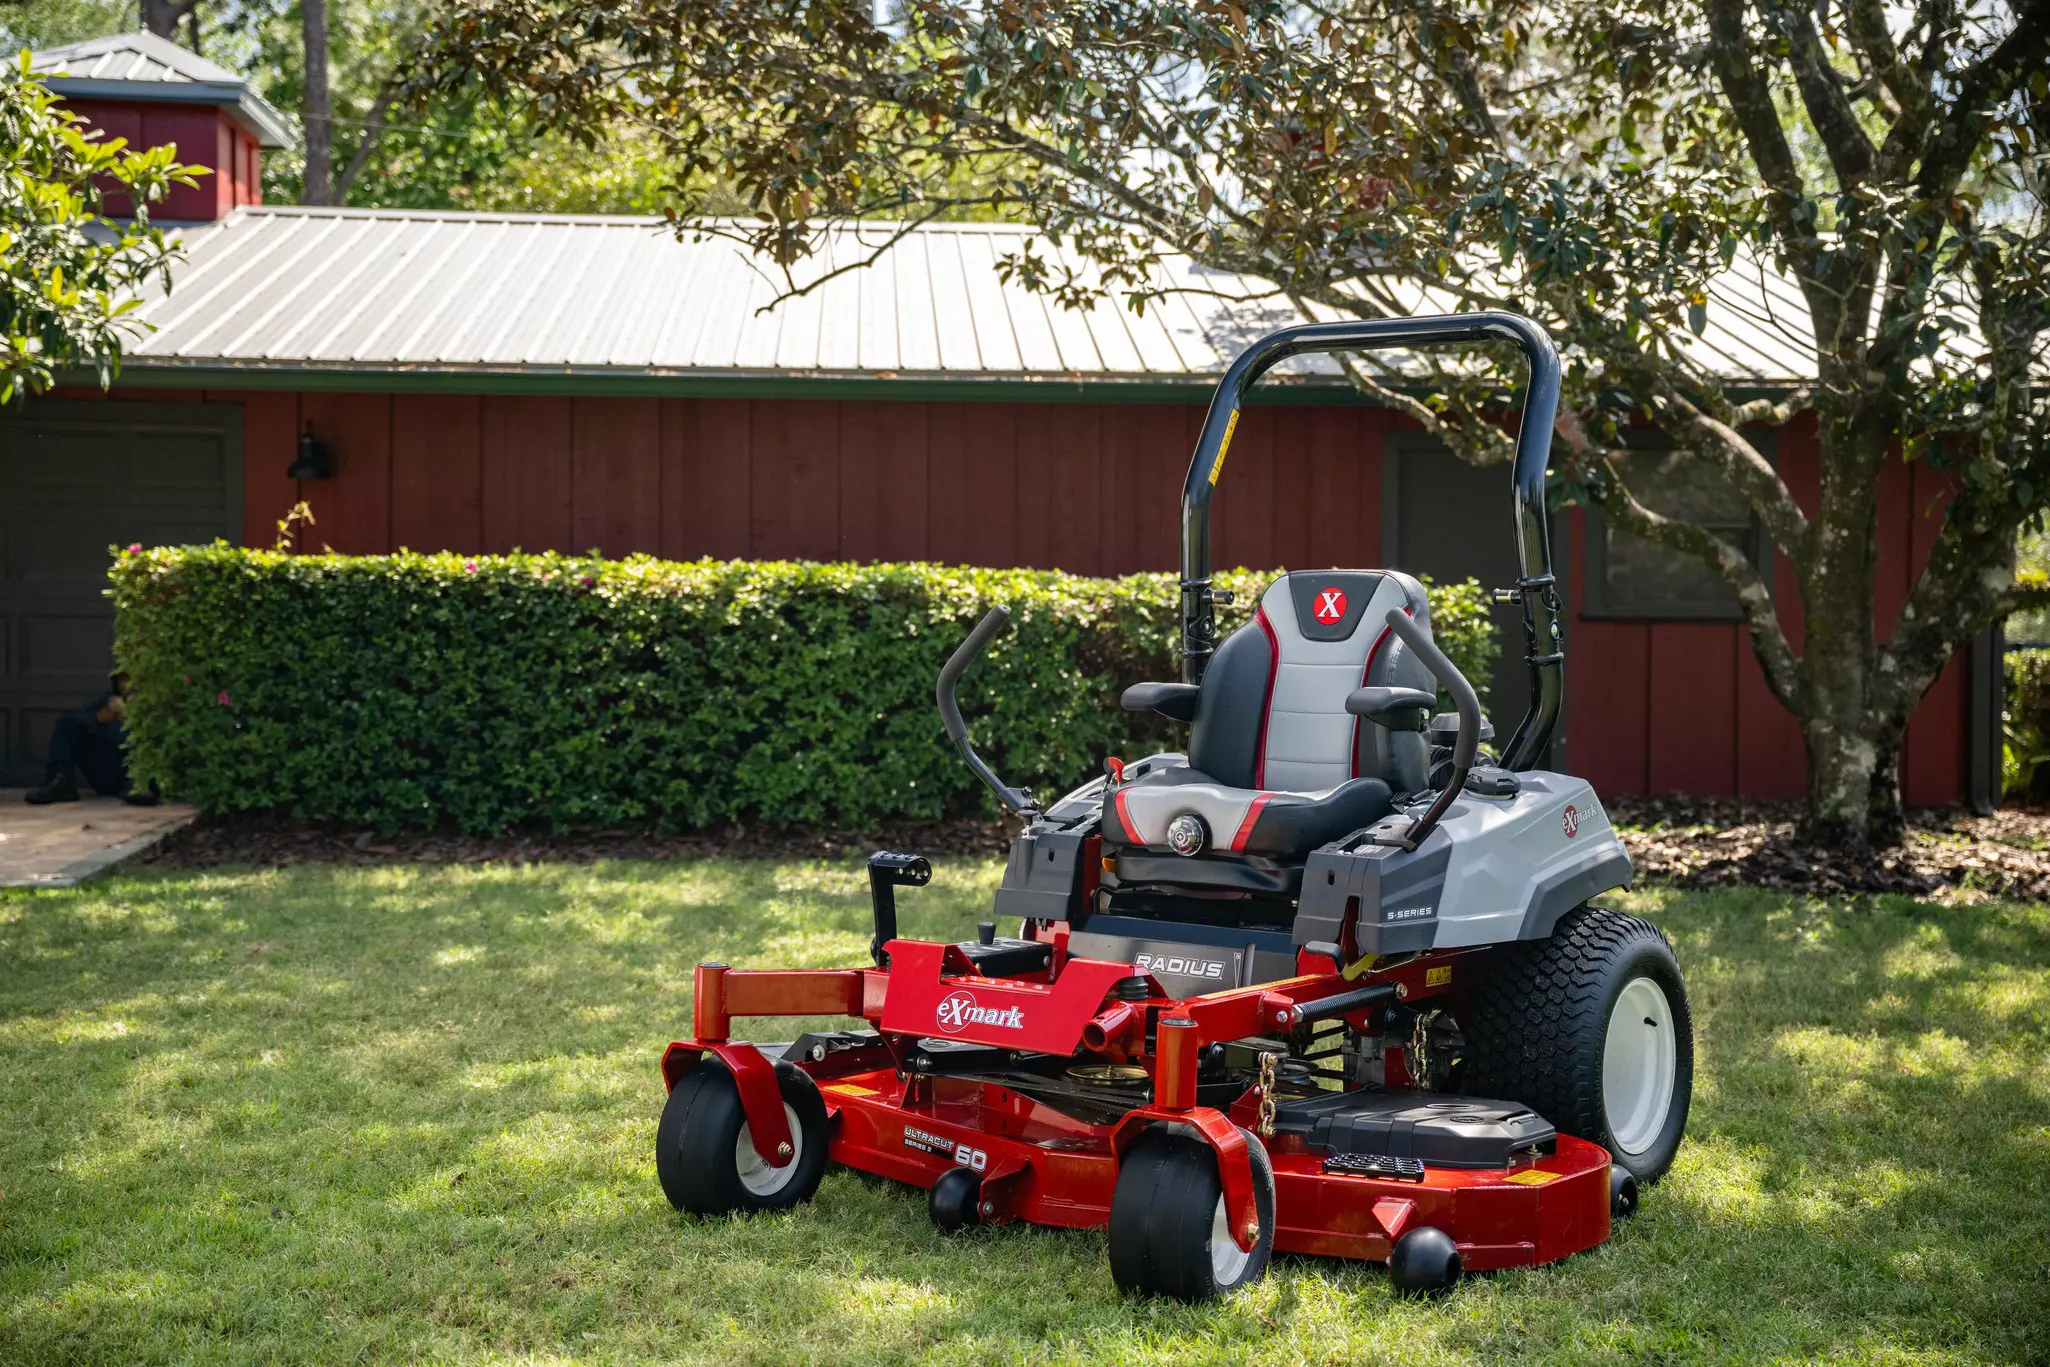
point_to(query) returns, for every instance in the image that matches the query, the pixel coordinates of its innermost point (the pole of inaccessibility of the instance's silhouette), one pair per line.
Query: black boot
(59, 785)
(146, 797)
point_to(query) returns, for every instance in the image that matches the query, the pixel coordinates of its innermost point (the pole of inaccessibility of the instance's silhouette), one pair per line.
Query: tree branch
(1990, 80)
(1822, 94)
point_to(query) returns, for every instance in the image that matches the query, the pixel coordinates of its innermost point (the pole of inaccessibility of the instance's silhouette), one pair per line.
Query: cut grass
(406, 1114)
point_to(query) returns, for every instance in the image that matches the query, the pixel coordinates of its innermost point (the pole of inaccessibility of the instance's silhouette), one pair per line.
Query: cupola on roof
(143, 67)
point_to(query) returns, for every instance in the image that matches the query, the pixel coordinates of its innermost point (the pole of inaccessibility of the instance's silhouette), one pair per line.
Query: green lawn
(406, 1115)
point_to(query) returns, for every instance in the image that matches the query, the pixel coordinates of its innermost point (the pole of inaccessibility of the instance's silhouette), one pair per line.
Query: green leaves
(482, 692)
(68, 275)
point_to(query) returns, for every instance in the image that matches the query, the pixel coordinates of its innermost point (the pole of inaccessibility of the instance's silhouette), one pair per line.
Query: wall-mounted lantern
(312, 462)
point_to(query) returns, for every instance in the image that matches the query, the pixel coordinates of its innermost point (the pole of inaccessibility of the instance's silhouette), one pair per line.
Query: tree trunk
(318, 114)
(162, 17)
(1853, 750)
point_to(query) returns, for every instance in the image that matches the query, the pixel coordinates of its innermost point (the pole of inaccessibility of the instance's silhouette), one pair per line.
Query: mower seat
(1277, 766)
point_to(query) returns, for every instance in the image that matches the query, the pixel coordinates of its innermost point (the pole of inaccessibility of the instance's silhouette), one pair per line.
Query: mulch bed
(1683, 841)
(1705, 843)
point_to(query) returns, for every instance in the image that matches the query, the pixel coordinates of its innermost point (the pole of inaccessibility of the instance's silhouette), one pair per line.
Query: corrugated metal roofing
(511, 294)
(140, 65)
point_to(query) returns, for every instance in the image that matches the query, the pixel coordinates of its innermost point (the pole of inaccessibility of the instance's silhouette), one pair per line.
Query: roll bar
(1535, 586)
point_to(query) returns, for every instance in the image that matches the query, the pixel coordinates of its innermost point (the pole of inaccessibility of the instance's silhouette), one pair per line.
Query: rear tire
(705, 1154)
(1168, 1231)
(1589, 1028)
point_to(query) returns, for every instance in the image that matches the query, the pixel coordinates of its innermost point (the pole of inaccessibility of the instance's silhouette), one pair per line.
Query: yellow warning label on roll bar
(1217, 466)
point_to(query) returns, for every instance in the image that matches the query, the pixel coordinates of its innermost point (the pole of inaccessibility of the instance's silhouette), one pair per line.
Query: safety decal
(1231, 425)
(1330, 606)
(1438, 977)
(1531, 1177)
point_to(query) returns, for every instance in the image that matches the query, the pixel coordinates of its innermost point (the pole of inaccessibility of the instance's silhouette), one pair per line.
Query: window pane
(1639, 573)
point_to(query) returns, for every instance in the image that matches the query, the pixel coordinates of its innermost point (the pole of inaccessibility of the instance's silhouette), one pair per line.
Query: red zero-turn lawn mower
(1329, 982)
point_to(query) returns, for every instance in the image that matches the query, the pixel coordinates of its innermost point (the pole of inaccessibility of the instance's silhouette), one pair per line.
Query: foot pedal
(1375, 1165)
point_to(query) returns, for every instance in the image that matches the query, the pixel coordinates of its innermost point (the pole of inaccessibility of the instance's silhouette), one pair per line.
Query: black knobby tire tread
(1537, 1005)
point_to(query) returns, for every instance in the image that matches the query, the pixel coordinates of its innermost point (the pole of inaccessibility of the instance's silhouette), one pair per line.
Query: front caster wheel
(1424, 1262)
(955, 1201)
(1169, 1233)
(705, 1153)
(1622, 1192)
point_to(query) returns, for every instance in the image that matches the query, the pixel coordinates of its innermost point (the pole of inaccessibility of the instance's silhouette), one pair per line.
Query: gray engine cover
(1495, 869)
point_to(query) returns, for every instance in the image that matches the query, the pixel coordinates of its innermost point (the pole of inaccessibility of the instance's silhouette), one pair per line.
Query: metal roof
(302, 291)
(142, 66)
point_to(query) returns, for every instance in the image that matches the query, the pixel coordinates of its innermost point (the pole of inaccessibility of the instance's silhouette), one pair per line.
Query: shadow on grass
(319, 1114)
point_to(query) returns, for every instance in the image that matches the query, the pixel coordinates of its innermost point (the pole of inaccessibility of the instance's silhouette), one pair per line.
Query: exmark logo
(960, 1011)
(1330, 606)
(1182, 965)
(1570, 821)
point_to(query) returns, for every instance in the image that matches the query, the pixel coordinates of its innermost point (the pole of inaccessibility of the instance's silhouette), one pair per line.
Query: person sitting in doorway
(91, 740)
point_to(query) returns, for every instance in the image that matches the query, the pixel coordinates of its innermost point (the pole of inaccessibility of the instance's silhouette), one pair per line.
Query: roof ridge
(181, 61)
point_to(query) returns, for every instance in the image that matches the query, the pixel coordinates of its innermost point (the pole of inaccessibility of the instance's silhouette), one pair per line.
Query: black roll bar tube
(1535, 586)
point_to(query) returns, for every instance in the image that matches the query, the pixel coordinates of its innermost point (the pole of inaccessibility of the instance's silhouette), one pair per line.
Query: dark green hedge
(417, 690)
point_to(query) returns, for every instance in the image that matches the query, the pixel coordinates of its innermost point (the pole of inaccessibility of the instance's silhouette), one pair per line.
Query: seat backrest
(1272, 711)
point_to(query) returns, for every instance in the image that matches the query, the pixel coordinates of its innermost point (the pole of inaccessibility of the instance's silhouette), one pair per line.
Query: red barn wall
(1684, 706)
(1092, 488)
(205, 136)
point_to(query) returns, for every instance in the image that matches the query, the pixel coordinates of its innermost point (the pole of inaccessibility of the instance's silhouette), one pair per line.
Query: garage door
(75, 479)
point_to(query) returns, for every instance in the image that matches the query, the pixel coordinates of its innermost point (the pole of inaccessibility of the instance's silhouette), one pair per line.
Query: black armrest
(1398, 709)
(1175, 701)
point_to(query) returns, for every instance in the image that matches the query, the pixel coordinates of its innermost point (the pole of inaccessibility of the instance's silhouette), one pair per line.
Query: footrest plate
(1375, 1165)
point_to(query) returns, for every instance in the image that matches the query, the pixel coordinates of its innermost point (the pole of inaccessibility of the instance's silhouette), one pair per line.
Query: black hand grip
(957, 664)
(992, 623)
(886, 873)
(1342, 1003)
(1463, 697)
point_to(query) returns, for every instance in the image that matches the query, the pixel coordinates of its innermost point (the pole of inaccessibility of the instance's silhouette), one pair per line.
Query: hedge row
(422, 690)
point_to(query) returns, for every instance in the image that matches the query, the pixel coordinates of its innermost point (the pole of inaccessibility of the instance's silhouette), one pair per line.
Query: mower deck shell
(1043, 1167)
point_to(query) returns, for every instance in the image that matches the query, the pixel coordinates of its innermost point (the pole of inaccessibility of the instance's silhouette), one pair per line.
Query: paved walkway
(68, 843)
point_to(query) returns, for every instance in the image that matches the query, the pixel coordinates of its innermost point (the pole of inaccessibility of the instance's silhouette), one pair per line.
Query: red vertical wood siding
(705, 488)
(972, 463)
(270, 443)
(204, 135)
(525, 475)
(1608, 686)
(616, 475)
(437, 463)
(352, 511)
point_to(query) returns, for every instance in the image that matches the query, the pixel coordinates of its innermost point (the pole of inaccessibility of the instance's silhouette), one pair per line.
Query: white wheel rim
(1227, 1260)
(1639, 1061)
(756, 1173)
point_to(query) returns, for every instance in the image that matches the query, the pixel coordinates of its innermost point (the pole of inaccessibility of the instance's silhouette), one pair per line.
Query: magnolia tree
(67, 273)
(1597, 164)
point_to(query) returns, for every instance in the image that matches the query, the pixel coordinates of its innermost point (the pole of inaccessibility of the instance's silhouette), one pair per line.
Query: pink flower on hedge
(469, 567)
(135, 548)
(588, 581)
(223, 699)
